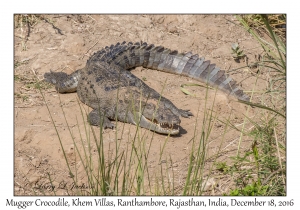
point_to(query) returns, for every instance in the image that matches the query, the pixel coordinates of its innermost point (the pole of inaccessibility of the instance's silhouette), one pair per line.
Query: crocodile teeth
(165, 127)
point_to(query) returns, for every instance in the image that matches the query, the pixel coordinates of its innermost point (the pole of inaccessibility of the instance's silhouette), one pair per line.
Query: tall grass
(126, 171)
(267, 158)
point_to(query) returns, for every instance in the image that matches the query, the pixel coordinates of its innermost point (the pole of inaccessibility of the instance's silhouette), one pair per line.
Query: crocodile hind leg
(166, 102)
(185, 113)
(97, 118)
(179, 112)
(63, 82)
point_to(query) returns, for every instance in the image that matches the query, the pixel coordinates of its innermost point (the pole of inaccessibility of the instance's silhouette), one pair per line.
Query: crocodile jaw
(162, 128)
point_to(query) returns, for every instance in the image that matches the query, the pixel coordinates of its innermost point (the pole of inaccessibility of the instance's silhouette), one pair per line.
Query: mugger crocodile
(114, 93)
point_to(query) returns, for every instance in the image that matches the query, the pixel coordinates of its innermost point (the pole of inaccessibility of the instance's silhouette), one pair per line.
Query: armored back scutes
(129, 55)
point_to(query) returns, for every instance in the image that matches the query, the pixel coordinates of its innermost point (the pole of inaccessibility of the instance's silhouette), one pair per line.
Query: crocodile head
(160, 120)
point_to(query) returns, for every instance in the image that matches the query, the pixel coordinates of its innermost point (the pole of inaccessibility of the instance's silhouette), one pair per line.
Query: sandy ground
(67, 44)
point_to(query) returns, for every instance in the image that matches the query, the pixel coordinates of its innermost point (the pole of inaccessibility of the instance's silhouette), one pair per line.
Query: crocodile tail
(200, 69)
(129, 55)
(191, 65)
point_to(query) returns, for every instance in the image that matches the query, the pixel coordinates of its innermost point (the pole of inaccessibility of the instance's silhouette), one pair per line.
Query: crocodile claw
(185, 113)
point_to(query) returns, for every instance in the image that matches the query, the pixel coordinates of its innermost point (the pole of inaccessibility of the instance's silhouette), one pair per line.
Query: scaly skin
(114, 93)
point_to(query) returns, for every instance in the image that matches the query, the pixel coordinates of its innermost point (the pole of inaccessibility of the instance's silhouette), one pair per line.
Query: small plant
(222, 166)
(29, 20)
(22, 96)
(16, 78)
(19, 63)
(237, 53)
(254, 189)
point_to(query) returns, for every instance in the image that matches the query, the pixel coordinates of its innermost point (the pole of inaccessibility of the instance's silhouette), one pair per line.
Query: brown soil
(65, 46)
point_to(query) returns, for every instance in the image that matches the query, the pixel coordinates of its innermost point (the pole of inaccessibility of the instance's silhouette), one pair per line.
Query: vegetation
(265, 174)
(237, 53)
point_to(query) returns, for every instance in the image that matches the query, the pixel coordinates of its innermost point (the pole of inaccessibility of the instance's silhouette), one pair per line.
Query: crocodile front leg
(63, 83)
(96, 118)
